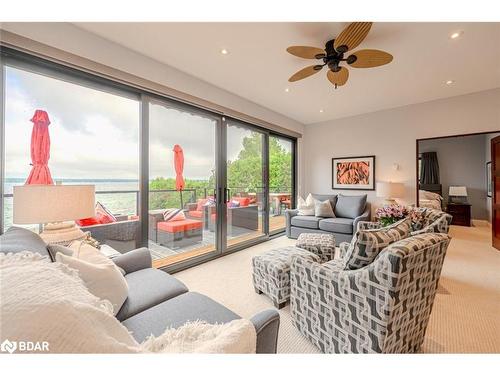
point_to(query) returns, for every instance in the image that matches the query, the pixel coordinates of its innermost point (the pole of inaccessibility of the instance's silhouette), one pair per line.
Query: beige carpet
(466, 314)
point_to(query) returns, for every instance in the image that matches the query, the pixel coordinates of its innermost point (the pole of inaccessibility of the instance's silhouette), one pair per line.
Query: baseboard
(480, 223)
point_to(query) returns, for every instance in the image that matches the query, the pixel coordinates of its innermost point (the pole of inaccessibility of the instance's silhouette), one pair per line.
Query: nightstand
(460, 213)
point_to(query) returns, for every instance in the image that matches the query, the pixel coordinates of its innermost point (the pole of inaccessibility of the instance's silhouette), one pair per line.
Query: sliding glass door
(188, 183)
(280, 181)
(183, 170)
(246, 183)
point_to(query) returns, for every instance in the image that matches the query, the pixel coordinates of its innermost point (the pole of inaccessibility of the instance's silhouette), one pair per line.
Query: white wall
(80, 42)
(391, 136)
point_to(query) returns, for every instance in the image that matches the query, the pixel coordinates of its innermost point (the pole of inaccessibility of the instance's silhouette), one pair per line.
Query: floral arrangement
(388, 215)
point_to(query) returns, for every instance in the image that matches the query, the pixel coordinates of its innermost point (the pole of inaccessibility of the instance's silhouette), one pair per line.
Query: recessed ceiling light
(321, 111)
(287, 90)
(456, 34)
(450, 82)
(224, 51)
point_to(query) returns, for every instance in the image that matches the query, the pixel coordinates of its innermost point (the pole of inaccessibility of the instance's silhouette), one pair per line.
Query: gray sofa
(349, 211)
(156, 300)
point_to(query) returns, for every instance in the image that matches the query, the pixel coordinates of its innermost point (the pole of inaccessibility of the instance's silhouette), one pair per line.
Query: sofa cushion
(337, 224)
(350, 206)
(367, 244)
(17, 239)
(188, 307)
(306, 221)
(147, 288)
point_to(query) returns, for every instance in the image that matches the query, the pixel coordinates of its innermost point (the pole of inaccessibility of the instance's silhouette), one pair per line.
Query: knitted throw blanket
(44, 302)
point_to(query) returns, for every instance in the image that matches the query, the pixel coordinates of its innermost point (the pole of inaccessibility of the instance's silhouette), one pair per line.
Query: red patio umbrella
(179, 168)
(40, 150)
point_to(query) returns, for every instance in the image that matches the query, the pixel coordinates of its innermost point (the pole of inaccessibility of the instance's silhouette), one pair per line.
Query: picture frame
(353, 173)
(488, 180)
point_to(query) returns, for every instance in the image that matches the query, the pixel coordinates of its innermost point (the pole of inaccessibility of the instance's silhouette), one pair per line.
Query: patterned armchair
(383, 307)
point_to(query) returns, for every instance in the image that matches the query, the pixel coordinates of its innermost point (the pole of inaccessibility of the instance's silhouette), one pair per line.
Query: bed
(430, 196)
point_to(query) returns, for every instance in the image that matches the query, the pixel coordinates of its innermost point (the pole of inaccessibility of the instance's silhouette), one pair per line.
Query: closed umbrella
(179, 168)
(40, 150)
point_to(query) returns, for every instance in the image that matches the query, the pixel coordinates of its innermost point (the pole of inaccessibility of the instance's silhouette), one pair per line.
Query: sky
(94, 134)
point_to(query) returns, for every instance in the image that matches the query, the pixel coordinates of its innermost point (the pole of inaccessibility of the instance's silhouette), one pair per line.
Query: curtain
(429, 169)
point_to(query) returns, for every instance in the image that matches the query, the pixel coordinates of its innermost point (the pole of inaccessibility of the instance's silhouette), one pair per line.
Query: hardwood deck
(275, 223)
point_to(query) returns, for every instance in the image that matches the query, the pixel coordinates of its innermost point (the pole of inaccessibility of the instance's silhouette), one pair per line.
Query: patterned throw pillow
(103, 215)
(367, 244)
(173, 214)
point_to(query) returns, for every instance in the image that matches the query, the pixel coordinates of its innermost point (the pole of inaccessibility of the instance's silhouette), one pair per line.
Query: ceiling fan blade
(352, 36)
(338, 78)
(306, 52)
(304, 73)
(370, 58)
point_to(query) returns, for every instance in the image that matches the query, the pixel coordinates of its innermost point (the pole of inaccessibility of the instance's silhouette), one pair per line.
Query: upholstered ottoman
(320, 244)
(271, 272)
(179, 233)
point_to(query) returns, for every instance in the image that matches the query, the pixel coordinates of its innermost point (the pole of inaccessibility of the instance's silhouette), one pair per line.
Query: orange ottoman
(179, 233)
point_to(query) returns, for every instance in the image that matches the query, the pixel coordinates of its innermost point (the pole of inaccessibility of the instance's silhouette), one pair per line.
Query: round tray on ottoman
(271, 272)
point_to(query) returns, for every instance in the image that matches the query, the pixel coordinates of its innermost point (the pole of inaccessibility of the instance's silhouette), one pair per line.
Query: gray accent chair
(353, 210)
(156, 300)
(383, 307)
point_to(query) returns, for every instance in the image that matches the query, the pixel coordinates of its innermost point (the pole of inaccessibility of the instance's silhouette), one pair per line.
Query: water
(119, 203)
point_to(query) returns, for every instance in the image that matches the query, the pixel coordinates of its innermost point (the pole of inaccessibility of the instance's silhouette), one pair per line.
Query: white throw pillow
(306, 207)
(88, 253)
(103, 280)
(323, 209)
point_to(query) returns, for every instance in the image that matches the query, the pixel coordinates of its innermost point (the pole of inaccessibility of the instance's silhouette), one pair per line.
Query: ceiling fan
(333, 55)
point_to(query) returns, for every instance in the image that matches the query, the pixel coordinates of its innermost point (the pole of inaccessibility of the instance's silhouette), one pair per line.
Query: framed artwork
(488, 178)
(354, 173)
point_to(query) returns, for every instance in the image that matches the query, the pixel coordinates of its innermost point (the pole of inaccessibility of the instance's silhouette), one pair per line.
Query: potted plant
(390, 214)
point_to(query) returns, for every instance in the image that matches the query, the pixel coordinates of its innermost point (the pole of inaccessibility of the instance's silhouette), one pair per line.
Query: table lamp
(389, 191)
(55, 206)
(457, 194)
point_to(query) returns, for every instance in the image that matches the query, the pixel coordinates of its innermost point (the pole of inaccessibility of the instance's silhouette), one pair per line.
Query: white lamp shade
(390, 189)
(457, 191)
(38, 204)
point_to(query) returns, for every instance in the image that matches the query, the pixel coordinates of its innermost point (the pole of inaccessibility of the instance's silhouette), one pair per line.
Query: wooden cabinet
(460, 213)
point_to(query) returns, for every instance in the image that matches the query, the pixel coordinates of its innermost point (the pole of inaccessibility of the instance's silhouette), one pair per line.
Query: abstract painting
(356, 173)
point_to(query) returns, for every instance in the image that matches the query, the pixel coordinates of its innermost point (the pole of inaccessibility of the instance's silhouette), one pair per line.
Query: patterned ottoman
(271, 272)
(322, 245)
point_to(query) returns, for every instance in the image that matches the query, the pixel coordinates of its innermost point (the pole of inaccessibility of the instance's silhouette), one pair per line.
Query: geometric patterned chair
(383, 307)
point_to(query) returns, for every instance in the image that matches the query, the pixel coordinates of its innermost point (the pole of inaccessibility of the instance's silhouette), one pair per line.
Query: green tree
(244, 174)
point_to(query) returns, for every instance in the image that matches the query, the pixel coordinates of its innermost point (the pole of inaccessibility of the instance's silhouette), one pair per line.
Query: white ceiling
(257, 66)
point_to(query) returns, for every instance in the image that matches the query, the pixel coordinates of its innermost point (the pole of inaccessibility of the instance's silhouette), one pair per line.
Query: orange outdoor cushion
(200, 204)
(244, 201)
(178, 225)
(196, 213)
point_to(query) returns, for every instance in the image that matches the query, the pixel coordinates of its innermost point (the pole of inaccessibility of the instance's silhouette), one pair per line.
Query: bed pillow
(306, 207)
(367, 244)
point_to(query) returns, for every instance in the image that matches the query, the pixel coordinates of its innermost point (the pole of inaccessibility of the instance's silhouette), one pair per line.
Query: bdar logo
(8, 346)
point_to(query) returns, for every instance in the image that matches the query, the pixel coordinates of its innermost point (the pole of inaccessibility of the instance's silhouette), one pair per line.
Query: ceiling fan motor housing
(333, 57)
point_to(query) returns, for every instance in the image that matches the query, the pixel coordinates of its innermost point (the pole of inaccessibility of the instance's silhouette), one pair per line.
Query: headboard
(434, 188)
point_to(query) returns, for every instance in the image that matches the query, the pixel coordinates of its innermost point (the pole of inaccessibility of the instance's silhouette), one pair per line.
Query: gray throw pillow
(366, 245)
(323, 209)
(350, 206)
(54, 249)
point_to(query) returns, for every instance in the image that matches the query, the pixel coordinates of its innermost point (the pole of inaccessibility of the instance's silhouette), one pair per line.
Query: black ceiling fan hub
(333, 57)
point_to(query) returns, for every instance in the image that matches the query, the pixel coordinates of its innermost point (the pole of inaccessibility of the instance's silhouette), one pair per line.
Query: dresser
(460, 213)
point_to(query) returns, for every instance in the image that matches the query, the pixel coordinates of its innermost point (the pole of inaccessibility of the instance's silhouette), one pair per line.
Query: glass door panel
(244, 196)
(280, 181)
(181, 221)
